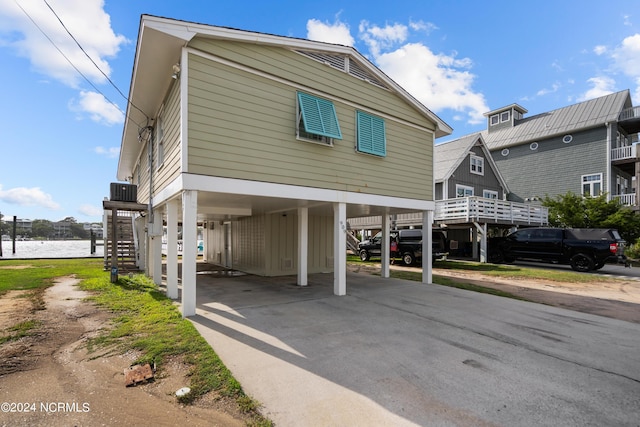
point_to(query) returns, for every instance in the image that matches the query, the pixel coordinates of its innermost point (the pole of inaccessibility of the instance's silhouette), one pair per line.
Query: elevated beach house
(586, 148)
(267, 144)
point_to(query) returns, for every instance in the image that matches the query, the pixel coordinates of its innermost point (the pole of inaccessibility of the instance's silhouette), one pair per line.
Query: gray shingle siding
(554, 167)
(463, 176)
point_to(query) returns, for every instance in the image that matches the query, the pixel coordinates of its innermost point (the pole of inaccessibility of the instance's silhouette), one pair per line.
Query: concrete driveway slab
(400, 353)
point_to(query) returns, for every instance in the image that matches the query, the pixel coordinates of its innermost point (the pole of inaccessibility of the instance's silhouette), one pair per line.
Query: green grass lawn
(144, 320)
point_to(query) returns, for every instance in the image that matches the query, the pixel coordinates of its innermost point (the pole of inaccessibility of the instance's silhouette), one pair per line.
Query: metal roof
(584, 115)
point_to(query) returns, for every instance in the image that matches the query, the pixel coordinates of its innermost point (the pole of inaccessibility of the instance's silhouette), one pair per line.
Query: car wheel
(408, 258)
(364, 255)
(507, 258)
(496, 257)
(582, 263)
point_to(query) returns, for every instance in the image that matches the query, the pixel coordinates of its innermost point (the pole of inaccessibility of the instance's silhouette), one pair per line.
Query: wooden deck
(465, 210)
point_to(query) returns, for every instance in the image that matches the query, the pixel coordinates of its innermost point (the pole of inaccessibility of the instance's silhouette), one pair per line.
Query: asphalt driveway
(400, 353)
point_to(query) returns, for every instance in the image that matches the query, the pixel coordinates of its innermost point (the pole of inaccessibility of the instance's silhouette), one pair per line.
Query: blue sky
(61, 135)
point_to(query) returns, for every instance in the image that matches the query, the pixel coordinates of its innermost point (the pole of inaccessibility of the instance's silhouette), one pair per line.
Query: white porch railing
(622, 153)
(482, 210)
(467, 209)
(626, 199)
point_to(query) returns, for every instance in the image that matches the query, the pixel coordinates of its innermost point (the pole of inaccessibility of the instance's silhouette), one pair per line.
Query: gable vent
(357, 71)
(336, 61)
(343, 63)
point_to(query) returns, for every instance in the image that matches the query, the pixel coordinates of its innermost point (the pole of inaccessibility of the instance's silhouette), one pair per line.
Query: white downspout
(608, 175)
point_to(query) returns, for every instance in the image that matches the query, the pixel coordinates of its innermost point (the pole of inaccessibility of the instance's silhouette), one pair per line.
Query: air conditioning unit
(123, 192)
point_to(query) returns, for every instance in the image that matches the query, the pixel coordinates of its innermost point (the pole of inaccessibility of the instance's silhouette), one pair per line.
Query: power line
(91, 59)
(76, 68)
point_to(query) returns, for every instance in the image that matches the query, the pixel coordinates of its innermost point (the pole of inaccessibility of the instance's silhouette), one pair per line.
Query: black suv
(408, 246)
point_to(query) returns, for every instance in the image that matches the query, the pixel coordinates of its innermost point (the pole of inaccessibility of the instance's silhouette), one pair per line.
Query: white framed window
(533, 146)
(463, 190)
(494, 120)
(505, 152)
(477, 165)
(567, 139)
(490, 194)
(505, 116)
(592, 185)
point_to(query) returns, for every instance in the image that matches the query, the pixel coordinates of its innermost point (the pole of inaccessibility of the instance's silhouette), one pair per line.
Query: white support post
(172, 249)
(340, 248)
(189, 251)
(385, 246)
(156, 239)
(474, 243)
(427, 237)
(303, 245)
(482, 230)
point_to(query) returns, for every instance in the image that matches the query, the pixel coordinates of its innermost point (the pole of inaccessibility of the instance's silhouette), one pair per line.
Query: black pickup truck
(585, 249)
(408, 246)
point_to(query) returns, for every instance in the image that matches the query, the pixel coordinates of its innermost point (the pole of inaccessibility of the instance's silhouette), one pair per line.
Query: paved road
(400, 353)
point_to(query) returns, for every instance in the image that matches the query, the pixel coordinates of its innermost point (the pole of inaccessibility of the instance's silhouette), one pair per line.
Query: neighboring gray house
(464, 167)
(586, 148)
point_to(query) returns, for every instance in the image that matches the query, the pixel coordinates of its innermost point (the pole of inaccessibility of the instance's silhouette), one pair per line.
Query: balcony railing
(623, 153)
(629, 113)
(490, 210)
(468, 209)
(626, 199)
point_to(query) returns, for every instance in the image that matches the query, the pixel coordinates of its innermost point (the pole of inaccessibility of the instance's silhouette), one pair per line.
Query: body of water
(50, 249)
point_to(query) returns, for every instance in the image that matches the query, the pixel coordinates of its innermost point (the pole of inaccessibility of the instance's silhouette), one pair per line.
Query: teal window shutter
(319, 116)
(371, 134)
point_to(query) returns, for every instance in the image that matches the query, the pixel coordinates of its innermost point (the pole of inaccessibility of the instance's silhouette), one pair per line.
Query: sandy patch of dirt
(51, 379)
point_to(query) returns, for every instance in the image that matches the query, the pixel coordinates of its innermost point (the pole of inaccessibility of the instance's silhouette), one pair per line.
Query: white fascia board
(267, 189)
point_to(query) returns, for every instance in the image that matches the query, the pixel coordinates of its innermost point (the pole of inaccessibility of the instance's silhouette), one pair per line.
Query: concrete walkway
(399, 353)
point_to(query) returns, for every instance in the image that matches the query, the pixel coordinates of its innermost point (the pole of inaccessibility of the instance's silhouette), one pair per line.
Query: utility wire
(76, 68)
(91, 59)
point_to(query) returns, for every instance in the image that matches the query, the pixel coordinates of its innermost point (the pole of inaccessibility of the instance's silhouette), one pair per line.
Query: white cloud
(426, 27)
(337, 33)
(382, 38)
(599, 50)
(85, 19)
(28, 197)
(602, 86)
(111, 152)
(554, 88)
(438, 81)
(99, 109)
(90, 210)
(626, 57)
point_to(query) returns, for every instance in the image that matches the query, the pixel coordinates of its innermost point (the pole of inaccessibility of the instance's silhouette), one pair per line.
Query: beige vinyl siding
(282, 244)
(143, 167)
(170, 169)
(243, 126)
(268, 244)
(302, 70)
(248, 243)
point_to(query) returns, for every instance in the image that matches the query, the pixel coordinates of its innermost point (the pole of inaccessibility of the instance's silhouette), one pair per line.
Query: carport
(212, 200)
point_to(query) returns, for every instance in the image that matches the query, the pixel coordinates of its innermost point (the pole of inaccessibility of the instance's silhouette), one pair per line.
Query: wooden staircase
(124, 244)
